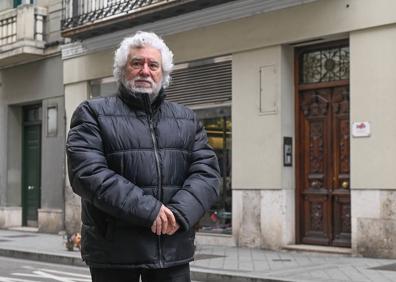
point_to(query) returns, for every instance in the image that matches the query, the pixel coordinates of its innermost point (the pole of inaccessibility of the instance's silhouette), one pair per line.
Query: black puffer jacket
(126, 157)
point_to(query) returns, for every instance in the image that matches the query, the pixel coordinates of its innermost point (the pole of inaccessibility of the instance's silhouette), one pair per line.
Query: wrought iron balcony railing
(80, 12)
(87, 18)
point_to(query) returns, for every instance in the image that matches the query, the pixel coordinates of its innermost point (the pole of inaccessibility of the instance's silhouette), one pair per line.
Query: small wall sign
(361, 129)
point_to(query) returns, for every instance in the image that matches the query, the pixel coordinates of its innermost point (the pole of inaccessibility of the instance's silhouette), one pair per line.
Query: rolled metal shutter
(201, 83)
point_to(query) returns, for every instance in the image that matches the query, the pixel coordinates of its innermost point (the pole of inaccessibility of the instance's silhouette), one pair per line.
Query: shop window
(217, 123)
(102, 87)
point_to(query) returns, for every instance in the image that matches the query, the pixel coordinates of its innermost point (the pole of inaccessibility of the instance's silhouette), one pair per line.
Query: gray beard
(152, 92)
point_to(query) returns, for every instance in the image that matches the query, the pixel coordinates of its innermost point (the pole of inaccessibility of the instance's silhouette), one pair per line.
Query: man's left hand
(165, 223)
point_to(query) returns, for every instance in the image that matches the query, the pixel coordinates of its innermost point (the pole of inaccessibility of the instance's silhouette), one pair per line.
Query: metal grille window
(204, 82)
(325, 65)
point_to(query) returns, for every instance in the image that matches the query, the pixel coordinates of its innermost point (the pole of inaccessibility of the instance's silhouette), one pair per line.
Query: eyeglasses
(138, 64)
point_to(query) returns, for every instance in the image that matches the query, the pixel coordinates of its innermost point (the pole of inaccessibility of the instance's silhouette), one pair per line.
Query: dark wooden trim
(320, 85)
(338, 43)
(297, 150)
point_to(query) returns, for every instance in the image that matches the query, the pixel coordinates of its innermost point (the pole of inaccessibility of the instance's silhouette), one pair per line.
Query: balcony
(21, 34)
(87, 18)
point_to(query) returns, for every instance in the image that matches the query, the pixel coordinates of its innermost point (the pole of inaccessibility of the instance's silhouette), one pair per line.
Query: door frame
(299, 179)
(23, 161)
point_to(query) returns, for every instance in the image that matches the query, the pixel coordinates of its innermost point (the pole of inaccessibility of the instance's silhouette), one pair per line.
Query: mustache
(146, 79)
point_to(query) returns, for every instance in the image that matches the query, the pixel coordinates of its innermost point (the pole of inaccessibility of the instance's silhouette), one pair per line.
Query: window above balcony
(21, 34)
(87, 18)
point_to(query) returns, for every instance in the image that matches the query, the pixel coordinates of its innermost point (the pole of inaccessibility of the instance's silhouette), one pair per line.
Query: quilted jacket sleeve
(201, 188)
(91, 178)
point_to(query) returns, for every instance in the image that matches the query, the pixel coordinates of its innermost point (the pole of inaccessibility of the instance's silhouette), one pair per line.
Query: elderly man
(143, 169)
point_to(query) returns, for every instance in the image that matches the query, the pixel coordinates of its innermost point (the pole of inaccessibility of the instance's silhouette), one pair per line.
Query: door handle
(30, 187)
(345, 184)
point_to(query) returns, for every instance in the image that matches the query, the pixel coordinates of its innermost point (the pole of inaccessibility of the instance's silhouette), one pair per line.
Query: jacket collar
(141, 101)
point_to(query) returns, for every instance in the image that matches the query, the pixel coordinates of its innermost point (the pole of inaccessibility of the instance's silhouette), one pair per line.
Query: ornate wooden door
(323, 169)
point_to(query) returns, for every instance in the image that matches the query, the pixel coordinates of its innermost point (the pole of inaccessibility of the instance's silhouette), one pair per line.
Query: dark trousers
(179, 273)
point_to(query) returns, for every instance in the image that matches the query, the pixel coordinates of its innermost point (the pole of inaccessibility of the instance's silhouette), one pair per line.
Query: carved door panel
(323, 191)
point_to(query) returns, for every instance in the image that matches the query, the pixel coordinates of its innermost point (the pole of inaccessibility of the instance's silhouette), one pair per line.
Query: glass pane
(32, 114)
(325, 65)
(103, 88)
(17, 3)
(52, 121)
(219, 218)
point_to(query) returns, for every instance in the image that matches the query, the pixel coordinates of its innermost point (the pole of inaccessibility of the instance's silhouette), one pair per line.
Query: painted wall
(38, 82)
(287, 174)
(373, 180)
(53, 156)
(33, 82)
(5, 5)
(262, 113)
(92, 66)
(256, 134)
(3, 147)
(373, 99)
(14, 156)
(305, 22)
(74, 95)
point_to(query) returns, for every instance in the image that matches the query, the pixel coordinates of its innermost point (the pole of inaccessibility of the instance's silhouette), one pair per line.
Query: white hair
(139, 40)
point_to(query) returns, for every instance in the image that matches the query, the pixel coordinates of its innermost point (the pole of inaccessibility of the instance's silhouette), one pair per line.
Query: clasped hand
(165, 223)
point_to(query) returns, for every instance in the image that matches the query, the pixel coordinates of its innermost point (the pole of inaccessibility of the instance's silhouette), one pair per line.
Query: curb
(200, 274)
(43, 257)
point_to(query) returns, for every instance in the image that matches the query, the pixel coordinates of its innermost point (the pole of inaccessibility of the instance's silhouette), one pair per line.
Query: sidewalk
(217, 263)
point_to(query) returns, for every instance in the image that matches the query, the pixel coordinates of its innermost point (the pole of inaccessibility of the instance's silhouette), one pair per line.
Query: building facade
(31, 115)
(298, 98)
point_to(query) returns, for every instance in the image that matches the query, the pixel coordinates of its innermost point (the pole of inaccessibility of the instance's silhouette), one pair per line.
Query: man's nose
(145, 70)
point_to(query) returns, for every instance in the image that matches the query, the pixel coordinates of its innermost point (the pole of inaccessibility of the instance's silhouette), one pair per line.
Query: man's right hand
(165, 223)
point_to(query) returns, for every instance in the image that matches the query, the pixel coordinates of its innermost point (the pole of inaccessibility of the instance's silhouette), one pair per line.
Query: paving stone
(250, 264)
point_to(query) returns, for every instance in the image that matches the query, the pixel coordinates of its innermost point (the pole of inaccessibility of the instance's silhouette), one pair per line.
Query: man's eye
(136, 64)
(154, 66)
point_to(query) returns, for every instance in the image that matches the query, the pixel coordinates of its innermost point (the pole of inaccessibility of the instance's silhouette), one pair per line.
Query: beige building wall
(261, 47)
(39, 68)
(74, 95)
(254, 123)
(373, 99)
(373, 96)
(318, 20)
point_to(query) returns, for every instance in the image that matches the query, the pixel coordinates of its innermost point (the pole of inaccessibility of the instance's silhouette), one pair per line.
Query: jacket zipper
(155, 144)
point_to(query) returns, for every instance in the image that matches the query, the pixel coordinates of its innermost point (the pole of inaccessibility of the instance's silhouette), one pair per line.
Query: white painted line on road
(65, 273)
(9, 279)
(41, 274)
(56, 278)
